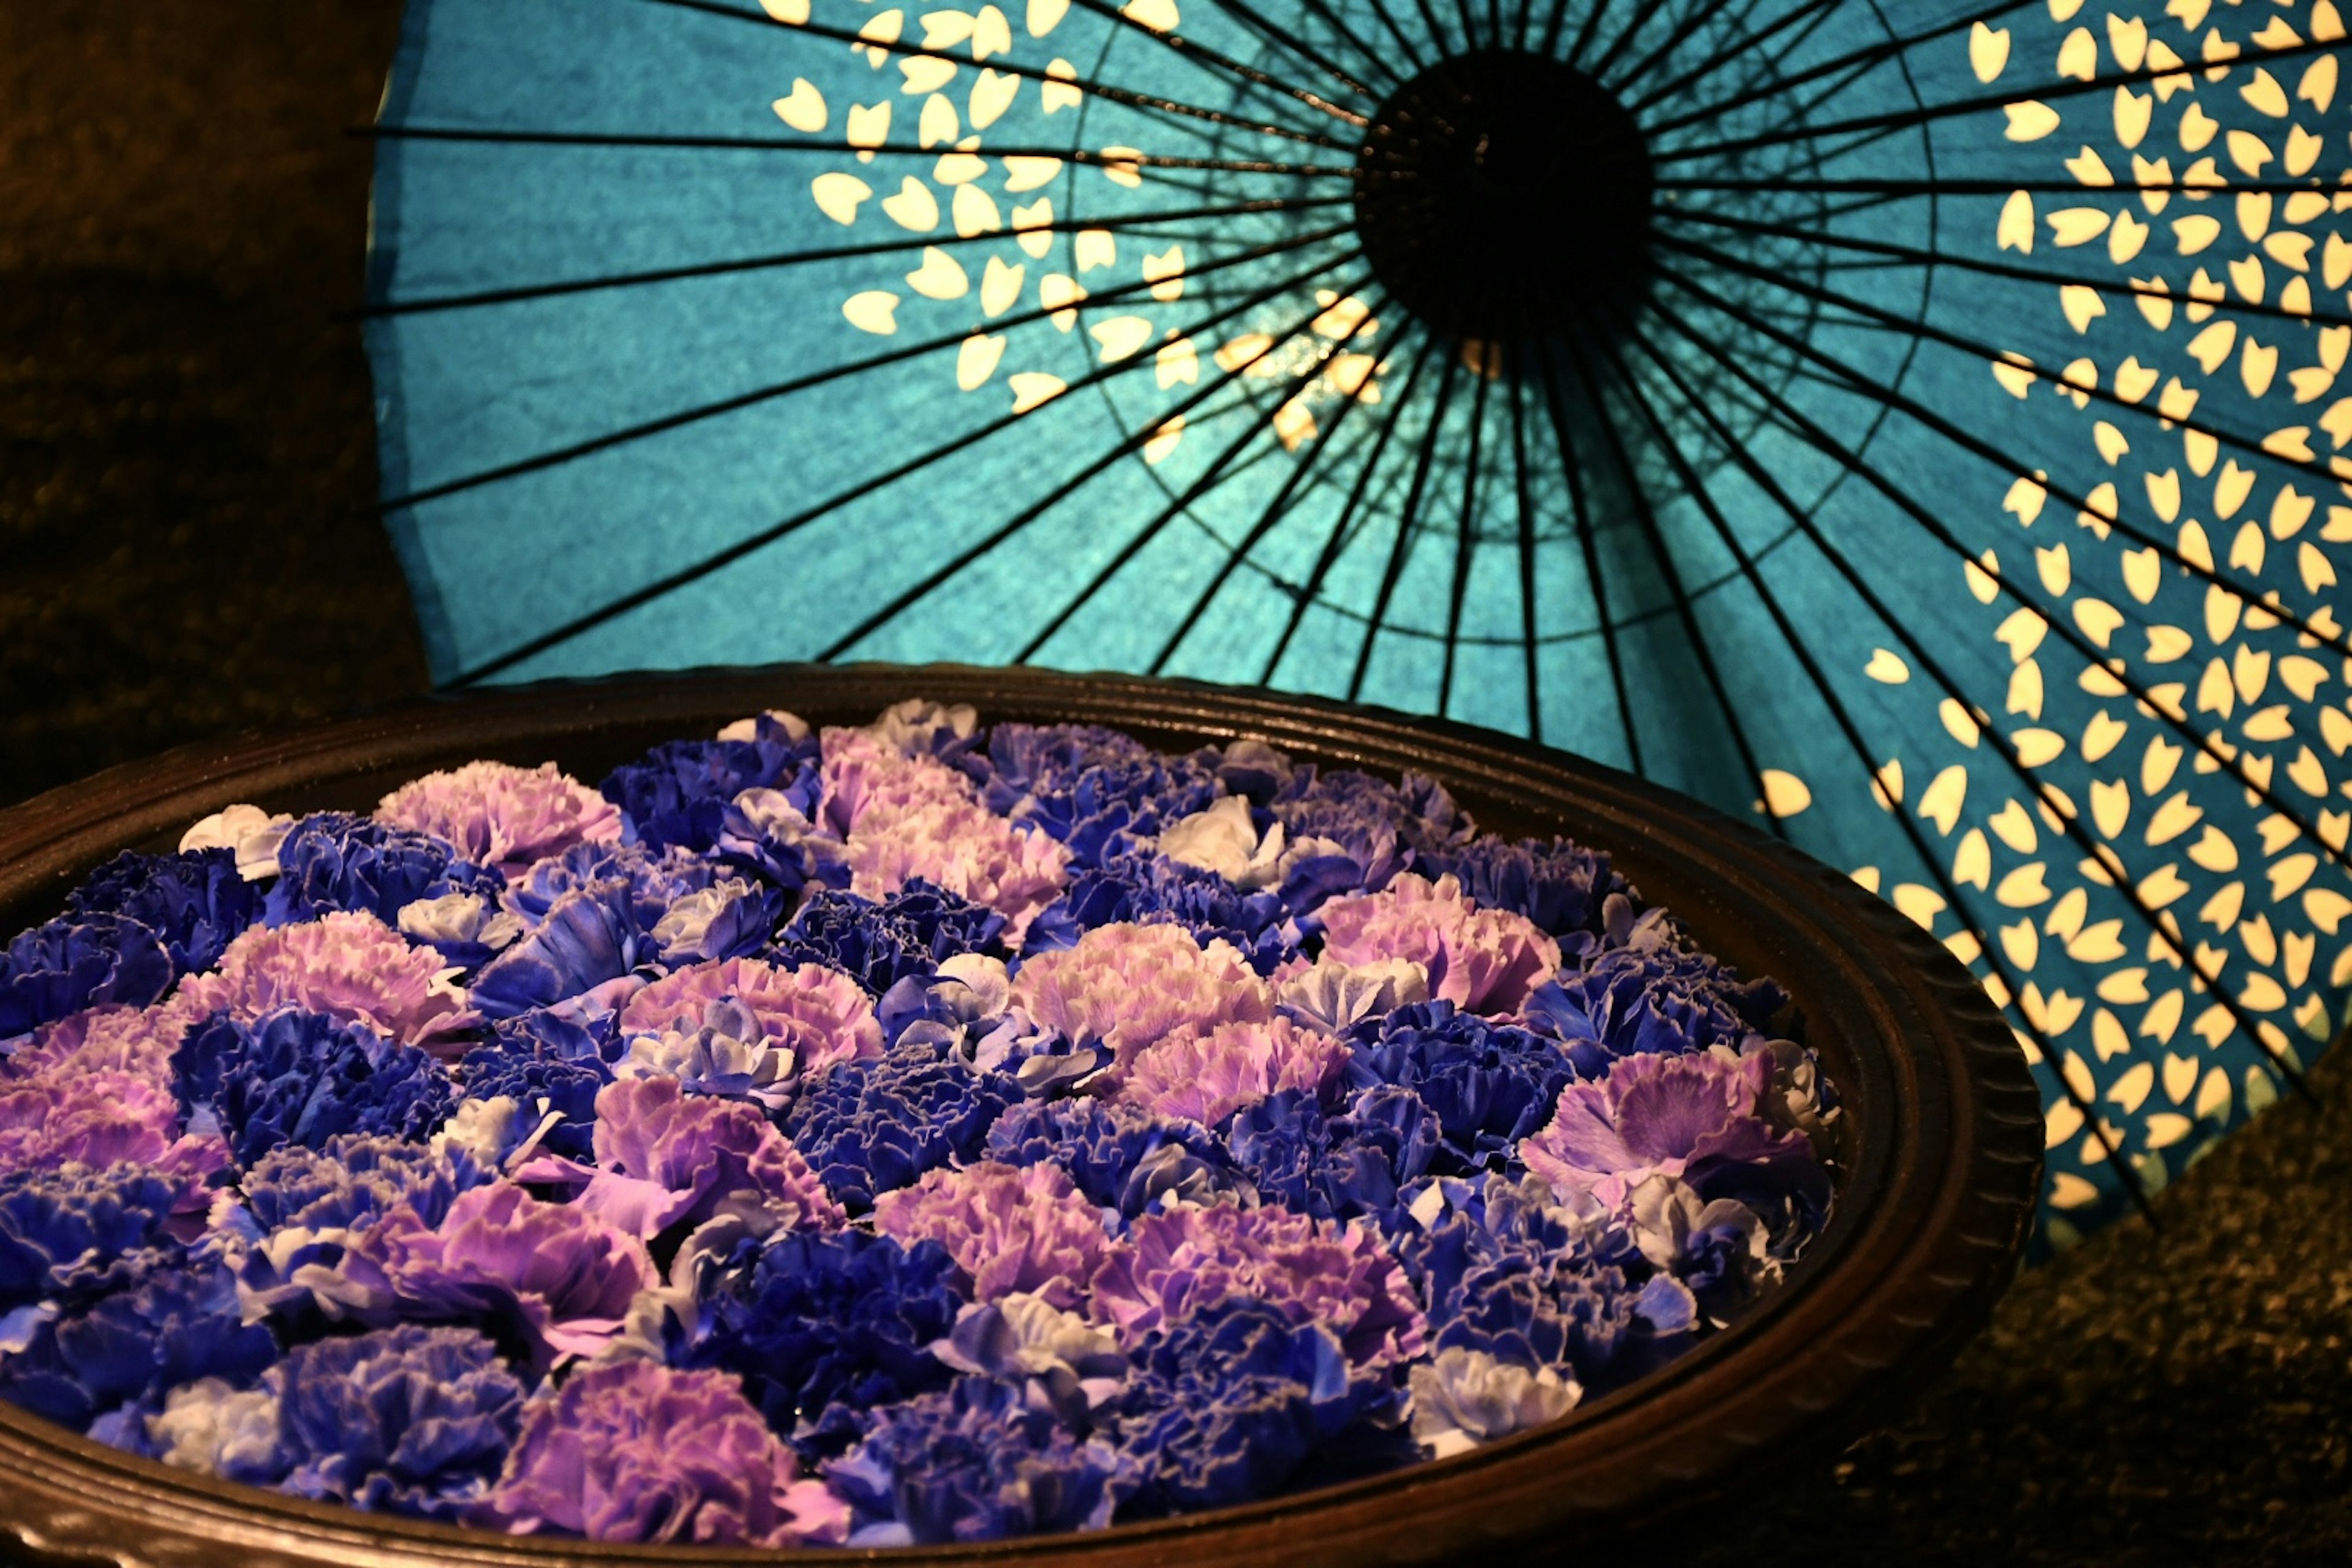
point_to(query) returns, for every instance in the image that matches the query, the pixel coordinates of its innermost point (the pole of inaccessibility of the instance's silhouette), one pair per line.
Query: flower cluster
(911, 1134)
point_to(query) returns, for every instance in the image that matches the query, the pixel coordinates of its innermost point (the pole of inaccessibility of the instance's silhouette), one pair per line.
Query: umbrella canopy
(1918, 424)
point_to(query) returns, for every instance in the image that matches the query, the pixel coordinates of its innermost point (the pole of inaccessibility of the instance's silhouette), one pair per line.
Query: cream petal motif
(872, 312)
(941, 277)
(803, 108)
(914, 208)
(838, 195)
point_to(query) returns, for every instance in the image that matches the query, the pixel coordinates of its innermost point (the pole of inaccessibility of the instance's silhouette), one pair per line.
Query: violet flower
(1008, 1227)
(1560, 886)
(64, 1230)
(1489, 1085)
(870, 1126)
(350, 966)
(291, 1076)
(95, 1119)
(503, 816)
(1129, 986)
(194, 903)
(1207, 1074)
(678, 793)
(1482, 960)
(801, 1021)
(1097, 791)
(1177, 1264)
(1122, 1158)
(905, 936)
(109, 1037)
(331, 860)
(635, 1451)
(1147, 888)
(1660, 1116)
(77, 961)
(1462, 1398)
(1348, 1163)
(589, 937)
(1335, 998)
(667, 1159)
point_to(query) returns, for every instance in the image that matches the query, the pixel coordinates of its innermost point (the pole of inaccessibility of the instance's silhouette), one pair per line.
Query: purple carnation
(656, 880)
(348, 966)
(974, 1462)
(667, 1159)
(195, 901)
(76, 961)
(1648, 993)
(1242, 1402)
(1129, 986)
(1348, 1164)
(1560, 886)
(1097, 791)
(589, 938)
(1207, 1075)
(551, 1273)
(63, 1231)
(1482, 960)
(1376, 828)
(94, 1119)
(109, 1037)
(787, 1024)
(1489, 1085)
(332, 861)
(503, 816)
(678, 793)
(1662, 1116)
(543, 1082)
(1182, 1262)
(829, 1325)
(871, 1126)
(1152, 890)
(309, 1206)
(635, 1451)
(904, 936)
(291, 1076)
(1008, 1227)
(1119, 1156)
(407, 1420)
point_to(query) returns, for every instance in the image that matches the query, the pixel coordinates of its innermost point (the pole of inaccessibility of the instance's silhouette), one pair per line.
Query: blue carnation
(1119, 1157)
(589, 935)
(1342, 1165)
(1150, 888)
(332, 861)
(581, 1035)
(974, 1462)
(1237, 1403)
(870, 1126)
(540, 1080)
(656, 880)
(195, 901)
(1488, 1084)
(178, 1321)
(351, 1181)
(679, 793)
(1560, 886)
(827, 1326)
(63, 1233)
(1380, 829)
(79, 961)
(904, 936)
(1096, 790)
(408, 1420)
(1654, 996)
(293, 1076)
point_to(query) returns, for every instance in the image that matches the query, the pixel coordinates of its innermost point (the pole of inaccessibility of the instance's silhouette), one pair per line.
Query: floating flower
(973, 1462)
(820, 1015)
(293, 1076)
(503, 816)
(665, 1158)
(308, 1207)
(1335, 998)
(1066, 1364)
(1658, 1115)
(333, 861)
(1462, 1398)
(869, 1126)
(1097, 791)
(638, 1452)
(1719, 1247)
(466, 929)
(589, 937)
(196, 902)
(542, 1083)
(657, 879)
(729, 919)
(1650, 994)
(1152, 890)
(1560, 886)
(1129, 986)
(1346, 1165)
(76, 961)
(880, 943)
(1121, 1156)
(1207, 1074)
(678, 793)
(86, 1118)
(64, 1228)
(1482, 960)
(347, 966)
(1378, 827)
(1488, 1084)
(1177, 1264)
(109, 1037)
(1008, 1227)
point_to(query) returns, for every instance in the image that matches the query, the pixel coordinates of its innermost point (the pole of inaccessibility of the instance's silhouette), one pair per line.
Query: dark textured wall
(186, 546)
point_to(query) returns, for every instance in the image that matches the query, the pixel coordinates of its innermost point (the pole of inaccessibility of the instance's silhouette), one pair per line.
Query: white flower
(916, 725)
(252, 832)
(1225, 840)
(456, 918)
(1334, 996)
(206, 1425)
(1462, 1398)
(749, 729)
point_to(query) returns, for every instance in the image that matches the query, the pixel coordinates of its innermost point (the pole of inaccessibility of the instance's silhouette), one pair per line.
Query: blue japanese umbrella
(1915, 422)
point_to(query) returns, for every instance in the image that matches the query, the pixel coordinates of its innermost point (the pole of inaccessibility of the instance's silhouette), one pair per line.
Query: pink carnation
(1207, 1074)
(109, 1039)
(635, 1451)
(89, 1118)
(665, 1157)
(820, 1014)
(348, 965)
(565, 1278)
(1657, 1115)
(1185, 1261)
(1129, 986)
(1483, 961)
(502, 815)
(1009, 1227)
(902, 818)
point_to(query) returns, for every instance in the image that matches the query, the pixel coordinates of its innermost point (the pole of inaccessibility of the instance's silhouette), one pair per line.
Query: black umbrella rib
(1526, 548)
(1869, 55)
(1138, 160)
(814, 379)
(1925, 114)
(1422, 461)
(1929, 855)
(1207, 478)
(1249, 17)
(1830, 296)
(1623, 39)
(1007, 68)
(1683, 31)
(1854, 464)
(1465, 533)
(1132, 223)
(1337, 540)
(1437, 32)
(1811, 12)
(1588, 540)
(1645, 516)
(648, 592)
(1372, 56)
(1275, 512)
(1211, 60)
(2126, 288)
(1134, 442)
(2105, 855)
(1591, 28)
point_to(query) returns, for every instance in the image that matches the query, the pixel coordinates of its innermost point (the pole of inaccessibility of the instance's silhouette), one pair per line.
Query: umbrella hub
(1502, 195)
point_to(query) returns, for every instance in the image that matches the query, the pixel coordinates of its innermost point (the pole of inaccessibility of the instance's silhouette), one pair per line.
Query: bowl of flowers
(948, 1113)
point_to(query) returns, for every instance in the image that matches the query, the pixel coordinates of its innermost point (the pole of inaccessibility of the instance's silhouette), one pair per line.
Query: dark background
(187, 546)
